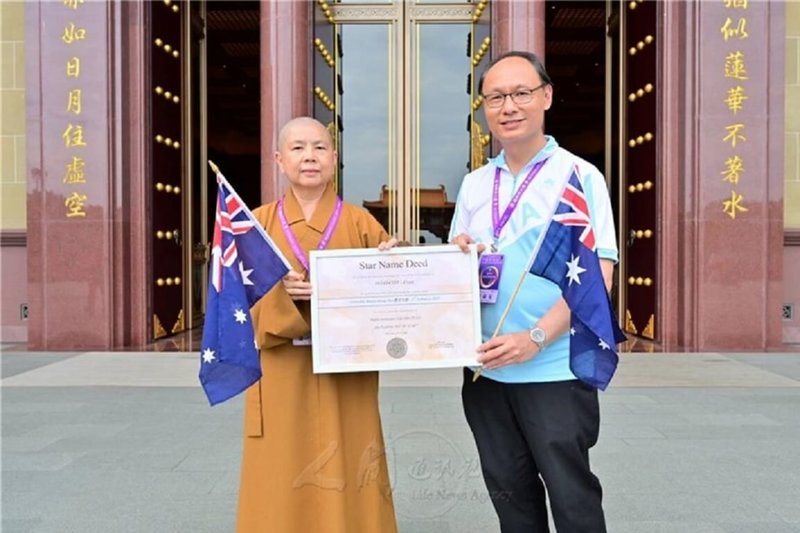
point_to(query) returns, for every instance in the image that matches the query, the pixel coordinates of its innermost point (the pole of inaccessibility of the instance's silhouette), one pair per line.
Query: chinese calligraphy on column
(74, 135)
(734, 30)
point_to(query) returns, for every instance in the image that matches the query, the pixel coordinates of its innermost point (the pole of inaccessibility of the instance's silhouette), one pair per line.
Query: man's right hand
(463, 241)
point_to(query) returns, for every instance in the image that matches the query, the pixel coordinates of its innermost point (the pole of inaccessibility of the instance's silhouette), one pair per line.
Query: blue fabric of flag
(568, 257)
(245, 265)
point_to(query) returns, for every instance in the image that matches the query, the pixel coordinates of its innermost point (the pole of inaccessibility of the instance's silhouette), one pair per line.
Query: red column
(85, 203)
(518, 25)
(722, 246)
(286, 62)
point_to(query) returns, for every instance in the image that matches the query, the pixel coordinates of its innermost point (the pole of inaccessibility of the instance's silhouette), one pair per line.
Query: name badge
(490, 268)
(302, 341)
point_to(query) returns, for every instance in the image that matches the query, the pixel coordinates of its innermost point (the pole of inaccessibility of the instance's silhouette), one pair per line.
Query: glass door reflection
(367, 153)
(441, 148)
(404, 146)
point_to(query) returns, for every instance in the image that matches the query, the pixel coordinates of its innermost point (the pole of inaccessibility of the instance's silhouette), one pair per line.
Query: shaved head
(305, 121)
(306, 155)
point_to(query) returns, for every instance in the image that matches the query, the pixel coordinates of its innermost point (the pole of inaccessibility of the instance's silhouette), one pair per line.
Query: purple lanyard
(326, 236)
(497, 222)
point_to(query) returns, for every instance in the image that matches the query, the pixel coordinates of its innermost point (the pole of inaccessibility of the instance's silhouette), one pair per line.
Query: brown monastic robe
(314, 458)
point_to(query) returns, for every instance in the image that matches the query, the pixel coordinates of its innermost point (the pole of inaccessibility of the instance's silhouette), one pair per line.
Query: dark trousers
(532, 438)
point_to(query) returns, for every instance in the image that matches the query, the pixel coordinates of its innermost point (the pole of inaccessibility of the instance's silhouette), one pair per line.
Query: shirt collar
(547, 150)
(322, 214)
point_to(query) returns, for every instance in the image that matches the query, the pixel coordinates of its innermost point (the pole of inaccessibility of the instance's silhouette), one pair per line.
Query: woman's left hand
(296, 286)
(388, 245)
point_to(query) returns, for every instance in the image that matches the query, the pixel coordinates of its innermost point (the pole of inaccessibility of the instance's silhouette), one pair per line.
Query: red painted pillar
(286, 62)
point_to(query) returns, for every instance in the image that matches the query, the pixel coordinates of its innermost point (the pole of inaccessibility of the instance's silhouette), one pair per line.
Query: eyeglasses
(519, 97)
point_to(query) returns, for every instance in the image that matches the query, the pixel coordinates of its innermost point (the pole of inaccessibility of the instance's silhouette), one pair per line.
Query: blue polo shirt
(473, 216)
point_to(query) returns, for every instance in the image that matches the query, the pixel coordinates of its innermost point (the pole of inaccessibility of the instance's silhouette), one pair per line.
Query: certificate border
(318, 257)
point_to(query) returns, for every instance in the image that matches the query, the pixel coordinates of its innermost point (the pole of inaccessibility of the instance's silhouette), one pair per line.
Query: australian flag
(245, 264)
(568, 257)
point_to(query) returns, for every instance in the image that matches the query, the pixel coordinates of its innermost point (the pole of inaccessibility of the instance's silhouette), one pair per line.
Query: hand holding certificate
(405, 308)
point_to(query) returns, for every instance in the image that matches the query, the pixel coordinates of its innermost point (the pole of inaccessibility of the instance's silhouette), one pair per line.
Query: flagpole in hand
(245, 264)
(525, 272)
(571, 261)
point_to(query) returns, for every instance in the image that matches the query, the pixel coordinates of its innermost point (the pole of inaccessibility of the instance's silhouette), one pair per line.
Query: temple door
(640, 139)
(164, 84)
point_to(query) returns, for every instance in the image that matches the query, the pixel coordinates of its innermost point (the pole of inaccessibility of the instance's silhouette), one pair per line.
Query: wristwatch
(538, 336)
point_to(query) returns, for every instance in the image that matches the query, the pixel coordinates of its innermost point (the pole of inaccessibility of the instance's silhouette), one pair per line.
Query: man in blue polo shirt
(532, 420)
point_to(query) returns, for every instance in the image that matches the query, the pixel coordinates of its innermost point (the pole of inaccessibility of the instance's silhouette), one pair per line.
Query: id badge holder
(302, 341)
(489, 270)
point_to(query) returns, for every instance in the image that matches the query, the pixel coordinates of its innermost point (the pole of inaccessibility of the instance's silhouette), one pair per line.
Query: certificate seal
(397, 348)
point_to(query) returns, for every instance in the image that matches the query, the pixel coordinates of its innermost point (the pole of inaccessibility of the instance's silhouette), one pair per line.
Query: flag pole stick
(261, 231)
(525, 272)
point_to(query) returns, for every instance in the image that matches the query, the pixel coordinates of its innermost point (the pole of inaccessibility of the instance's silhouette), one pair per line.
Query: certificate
(404, 308)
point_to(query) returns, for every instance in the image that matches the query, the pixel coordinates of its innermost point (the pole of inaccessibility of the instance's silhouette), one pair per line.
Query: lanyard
(326, 236)
(499, 222)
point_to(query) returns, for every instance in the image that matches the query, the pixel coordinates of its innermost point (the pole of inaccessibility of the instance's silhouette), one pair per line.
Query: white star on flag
(255, 343)
(208, 355)
(575, 270)
(572, 331)
(240, 315)
(603, 344)
(245, 274)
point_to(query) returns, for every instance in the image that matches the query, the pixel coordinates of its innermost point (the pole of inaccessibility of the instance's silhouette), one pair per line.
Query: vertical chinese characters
(73, 135)
(734, 29)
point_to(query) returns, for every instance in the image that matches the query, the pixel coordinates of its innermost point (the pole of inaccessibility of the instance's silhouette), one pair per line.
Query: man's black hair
(532, 58)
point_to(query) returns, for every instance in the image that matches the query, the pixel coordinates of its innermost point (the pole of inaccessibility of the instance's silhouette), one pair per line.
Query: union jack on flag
(245, 265)
(576, 213)
(228, 220)
(568, 258)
